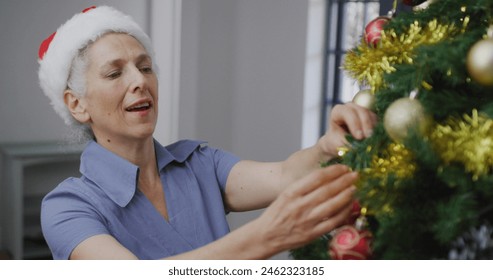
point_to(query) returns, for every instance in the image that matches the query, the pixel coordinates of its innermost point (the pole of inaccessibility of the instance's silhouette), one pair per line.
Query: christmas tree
(426, 174)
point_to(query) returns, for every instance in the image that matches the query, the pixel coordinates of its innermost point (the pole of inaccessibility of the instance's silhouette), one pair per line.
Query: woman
(139, 200)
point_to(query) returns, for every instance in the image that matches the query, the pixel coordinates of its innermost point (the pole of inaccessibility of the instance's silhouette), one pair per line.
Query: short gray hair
(79, 132)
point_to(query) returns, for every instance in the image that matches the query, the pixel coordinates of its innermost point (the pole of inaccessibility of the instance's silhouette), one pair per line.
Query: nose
(138, 81)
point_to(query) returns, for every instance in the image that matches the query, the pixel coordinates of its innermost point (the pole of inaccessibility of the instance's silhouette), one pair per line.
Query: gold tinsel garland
(468, 141)
(395, 159)
(367, 64)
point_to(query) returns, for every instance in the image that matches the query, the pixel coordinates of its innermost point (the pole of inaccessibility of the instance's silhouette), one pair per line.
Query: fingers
(330, 189)
(358, 120)
(333, 222)
(332, 206)
(330, 198)
(318, 178)
(331, 203)
(339, 136)
(310, 207)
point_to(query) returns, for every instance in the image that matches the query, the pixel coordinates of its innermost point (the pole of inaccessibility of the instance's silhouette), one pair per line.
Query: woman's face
(122, 89)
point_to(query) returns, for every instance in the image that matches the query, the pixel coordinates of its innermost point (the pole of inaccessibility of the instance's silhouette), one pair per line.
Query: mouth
(139, 107)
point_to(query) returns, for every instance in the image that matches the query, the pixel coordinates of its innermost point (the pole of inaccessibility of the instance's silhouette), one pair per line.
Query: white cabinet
(27, 172)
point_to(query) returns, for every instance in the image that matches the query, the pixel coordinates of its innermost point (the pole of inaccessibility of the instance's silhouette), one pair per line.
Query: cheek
(155, 88)
(105, 102)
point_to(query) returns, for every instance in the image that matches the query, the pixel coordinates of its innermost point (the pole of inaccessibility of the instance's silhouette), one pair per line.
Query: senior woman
(137, 199)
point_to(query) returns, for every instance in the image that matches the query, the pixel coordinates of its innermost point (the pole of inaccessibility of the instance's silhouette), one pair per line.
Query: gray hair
(79, 132)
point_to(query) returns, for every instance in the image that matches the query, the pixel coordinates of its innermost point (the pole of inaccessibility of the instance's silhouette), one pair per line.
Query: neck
(139, 152)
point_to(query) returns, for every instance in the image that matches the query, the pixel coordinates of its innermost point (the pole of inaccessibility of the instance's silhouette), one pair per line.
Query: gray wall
(242, 75)
(242, 78)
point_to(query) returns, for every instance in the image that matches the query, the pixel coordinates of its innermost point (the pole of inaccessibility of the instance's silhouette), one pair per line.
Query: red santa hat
(57, 52)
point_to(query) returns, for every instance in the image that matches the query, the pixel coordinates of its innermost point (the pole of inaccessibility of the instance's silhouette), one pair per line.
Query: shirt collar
(178, 151)
(118, 177)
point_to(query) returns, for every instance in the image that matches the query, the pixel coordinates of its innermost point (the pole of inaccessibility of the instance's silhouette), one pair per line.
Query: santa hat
(57, 52)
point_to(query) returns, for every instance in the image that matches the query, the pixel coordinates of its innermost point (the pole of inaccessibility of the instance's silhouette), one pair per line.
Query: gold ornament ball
(480, 62)
(403, 115)
(365, 98)
(423, 6)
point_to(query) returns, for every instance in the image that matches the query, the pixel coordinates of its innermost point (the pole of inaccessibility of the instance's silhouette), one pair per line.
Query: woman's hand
(308, 208)
(344, 119)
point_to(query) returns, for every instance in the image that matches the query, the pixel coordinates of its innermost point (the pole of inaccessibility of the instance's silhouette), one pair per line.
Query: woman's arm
(101, 247)
(253, 185)
(306, 209)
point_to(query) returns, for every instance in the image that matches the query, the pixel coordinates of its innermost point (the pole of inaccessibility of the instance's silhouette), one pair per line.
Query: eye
(114, 74)
(146, 69)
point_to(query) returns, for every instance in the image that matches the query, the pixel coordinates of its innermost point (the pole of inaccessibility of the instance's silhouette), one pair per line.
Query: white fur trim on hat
(76, 33)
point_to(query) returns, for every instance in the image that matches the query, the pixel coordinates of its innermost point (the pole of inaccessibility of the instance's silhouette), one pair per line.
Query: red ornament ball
(348, 243)
(355, 213)
(373, 31)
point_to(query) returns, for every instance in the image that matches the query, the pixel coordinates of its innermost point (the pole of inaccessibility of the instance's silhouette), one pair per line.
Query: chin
(145, 133)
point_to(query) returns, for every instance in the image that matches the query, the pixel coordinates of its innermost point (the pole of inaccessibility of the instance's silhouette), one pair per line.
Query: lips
(141, 106)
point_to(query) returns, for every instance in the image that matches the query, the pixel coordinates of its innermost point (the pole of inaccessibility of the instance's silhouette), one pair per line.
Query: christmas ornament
(373, 31)
(365, 98)
(355, 213)
(413, 2)
(468, 141)
(350, 243)
(403, 115)
(368, 65)
(480, 62)
(424, 5)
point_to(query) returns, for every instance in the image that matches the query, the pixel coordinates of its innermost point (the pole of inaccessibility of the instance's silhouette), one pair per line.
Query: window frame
(332, 84)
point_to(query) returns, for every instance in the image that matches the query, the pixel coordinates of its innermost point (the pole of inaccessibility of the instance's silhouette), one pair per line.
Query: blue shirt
(106, 200)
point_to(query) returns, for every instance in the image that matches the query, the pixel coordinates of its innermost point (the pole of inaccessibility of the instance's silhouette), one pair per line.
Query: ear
(76, 106)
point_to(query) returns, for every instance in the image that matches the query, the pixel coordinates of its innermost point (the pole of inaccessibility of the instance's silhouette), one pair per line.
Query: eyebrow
(142, 57)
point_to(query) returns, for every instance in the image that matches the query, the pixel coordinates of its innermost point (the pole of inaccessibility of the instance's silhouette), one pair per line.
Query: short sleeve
(224, 162)
(68, 218)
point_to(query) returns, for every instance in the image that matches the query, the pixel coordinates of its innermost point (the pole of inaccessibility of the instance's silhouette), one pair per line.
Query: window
(345, 24)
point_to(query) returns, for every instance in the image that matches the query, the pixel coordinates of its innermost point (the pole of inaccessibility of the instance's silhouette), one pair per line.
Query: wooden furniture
(28, 171)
